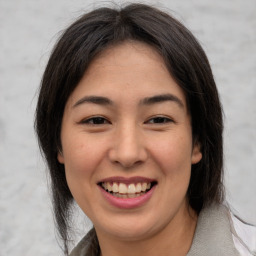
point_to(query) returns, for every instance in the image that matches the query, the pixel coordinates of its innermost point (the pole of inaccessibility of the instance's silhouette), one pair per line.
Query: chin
(134, 229)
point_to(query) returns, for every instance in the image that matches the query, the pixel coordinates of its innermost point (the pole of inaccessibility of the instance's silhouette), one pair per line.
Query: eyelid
(166, 118)
(87, 120)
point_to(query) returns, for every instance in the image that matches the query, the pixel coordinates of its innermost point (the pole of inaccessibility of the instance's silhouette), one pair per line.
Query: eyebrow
(100, 100)
(95, 100)
(162, 98)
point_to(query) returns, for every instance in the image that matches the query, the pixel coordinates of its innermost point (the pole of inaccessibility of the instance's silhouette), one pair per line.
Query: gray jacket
(214, 235)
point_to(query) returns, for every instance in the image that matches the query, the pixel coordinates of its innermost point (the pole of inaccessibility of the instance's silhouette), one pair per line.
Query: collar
(213, 235)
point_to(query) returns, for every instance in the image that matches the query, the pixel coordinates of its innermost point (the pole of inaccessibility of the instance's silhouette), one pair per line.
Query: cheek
(80, 158)
(81, 164)
(173, 154)
(84, 156)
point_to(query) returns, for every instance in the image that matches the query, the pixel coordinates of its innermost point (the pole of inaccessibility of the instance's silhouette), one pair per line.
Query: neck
(175, 239)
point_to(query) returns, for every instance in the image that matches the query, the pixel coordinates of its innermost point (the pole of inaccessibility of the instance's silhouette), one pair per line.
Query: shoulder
(244, 236)
(216, 234)
(88, 246)
(80, 249)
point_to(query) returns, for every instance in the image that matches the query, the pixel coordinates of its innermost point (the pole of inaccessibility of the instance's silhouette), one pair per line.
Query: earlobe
(196, 154)
(60, 158)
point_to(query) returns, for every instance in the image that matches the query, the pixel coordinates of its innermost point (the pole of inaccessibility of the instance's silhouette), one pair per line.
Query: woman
(130, 123)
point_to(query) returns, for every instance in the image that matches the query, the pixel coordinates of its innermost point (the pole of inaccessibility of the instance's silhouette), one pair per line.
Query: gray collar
(213, 235)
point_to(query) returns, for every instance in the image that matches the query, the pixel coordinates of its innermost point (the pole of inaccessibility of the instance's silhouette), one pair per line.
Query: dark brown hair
(187, 63)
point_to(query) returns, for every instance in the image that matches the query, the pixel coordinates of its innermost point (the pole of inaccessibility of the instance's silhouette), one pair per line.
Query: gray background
(28, 30)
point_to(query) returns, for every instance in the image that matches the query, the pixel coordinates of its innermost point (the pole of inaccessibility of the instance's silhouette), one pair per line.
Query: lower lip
(128, 203)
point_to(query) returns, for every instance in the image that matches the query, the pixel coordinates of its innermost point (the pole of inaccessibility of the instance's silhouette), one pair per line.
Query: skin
(130, 140)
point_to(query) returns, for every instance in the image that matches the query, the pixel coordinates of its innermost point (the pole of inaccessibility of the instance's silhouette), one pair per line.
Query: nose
(128, 148)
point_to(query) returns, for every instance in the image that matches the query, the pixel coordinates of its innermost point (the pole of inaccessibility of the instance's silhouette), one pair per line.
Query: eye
(97, 120)
(159, 120)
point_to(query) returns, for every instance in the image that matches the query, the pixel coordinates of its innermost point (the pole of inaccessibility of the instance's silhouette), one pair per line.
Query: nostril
(127, 159)
(129, 165)
(127, 149)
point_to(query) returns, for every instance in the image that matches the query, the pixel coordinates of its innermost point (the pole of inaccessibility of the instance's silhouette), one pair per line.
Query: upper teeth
(126, 189)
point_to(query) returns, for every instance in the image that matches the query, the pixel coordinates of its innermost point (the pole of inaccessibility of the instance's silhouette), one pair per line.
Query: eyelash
(96, 120)
(159, 120)
(100, 120)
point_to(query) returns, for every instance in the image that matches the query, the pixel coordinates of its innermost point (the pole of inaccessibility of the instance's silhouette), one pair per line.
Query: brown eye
(96, 121)
(159, 120)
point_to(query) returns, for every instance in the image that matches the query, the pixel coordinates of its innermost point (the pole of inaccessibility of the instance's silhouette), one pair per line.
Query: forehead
(131, 69)
(127, 50)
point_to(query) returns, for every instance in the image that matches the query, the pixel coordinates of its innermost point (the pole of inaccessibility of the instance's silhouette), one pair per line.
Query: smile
(123, 190)
(127, 193)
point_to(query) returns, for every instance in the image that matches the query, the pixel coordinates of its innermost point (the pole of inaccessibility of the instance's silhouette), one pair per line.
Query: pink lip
(126, 180)
(127, 203)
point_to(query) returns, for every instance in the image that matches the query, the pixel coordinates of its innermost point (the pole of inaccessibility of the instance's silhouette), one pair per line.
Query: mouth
(126, 188)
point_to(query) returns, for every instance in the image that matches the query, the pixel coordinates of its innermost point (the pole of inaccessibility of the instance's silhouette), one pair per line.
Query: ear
(196, 153)
(60, 157)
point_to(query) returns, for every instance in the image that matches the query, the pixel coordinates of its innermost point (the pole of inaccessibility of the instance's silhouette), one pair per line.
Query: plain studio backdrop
(28, 30)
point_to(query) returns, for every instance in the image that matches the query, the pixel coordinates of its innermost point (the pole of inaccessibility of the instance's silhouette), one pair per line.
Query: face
(127, 144)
